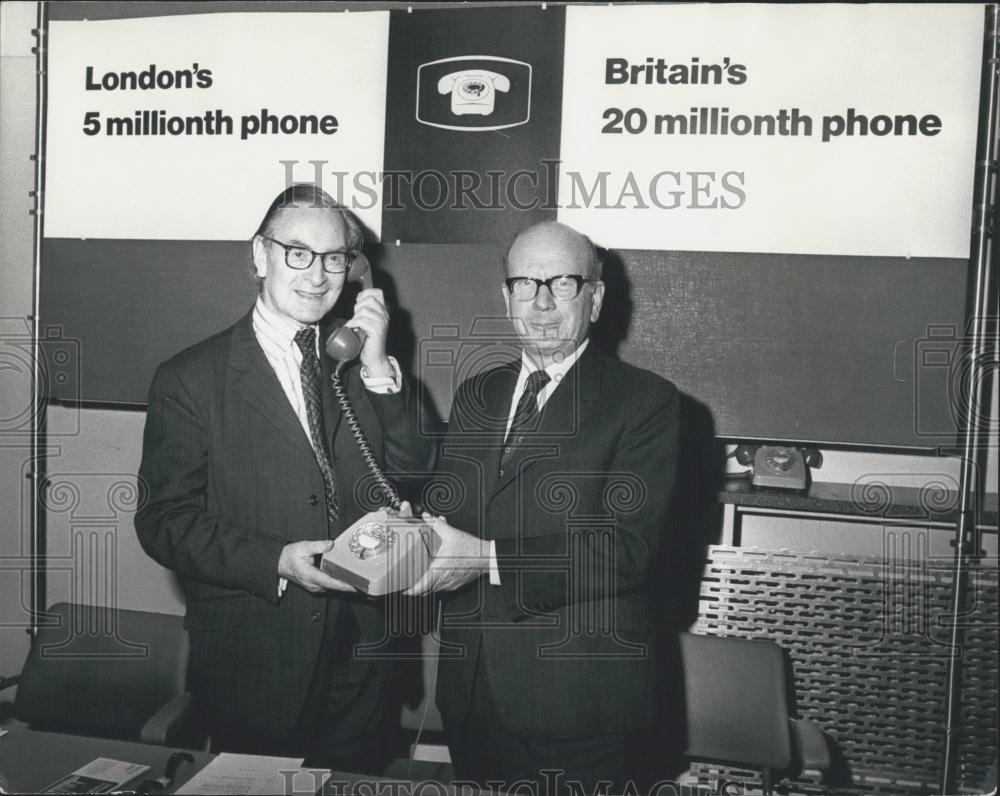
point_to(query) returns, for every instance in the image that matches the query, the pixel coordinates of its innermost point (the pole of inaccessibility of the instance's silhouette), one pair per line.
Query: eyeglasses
(563, 287)
(300, 258)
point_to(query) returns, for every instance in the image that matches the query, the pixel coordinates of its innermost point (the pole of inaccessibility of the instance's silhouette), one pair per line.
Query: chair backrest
(101, 671)
(737, 702)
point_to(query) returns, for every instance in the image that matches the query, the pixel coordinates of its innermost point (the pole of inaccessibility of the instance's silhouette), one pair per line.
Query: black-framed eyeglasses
(563, 287)
(300, 258)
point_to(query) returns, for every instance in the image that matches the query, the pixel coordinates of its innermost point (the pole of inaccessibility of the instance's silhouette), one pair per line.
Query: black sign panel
(474, 102)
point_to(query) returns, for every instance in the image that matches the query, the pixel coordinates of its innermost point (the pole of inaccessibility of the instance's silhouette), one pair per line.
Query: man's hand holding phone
(460, 559)
(371, 316)
(298, 565)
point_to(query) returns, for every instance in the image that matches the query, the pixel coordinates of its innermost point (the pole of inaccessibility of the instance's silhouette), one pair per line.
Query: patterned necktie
(311, 392)
(526, 413)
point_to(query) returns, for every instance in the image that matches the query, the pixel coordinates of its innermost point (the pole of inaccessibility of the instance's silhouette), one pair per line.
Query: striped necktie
(526, 414)
(309, 371)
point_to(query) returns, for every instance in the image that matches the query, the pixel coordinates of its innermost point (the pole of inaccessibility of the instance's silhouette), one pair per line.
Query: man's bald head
(553, 291)
(553, 241)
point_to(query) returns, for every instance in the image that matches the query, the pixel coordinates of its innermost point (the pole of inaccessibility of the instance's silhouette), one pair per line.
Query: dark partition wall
(826, 349)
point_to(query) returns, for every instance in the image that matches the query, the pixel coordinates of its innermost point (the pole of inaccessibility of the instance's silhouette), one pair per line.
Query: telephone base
(780, 467)
(382, 553)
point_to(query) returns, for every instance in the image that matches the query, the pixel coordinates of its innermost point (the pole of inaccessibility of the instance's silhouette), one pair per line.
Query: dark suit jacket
(230, 478)
(577, 512)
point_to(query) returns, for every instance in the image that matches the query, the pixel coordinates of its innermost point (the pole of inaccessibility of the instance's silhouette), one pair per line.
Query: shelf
(869, 500)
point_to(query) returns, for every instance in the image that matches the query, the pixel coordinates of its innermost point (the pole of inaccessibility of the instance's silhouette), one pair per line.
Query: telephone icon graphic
(462, 93)
(473, 91)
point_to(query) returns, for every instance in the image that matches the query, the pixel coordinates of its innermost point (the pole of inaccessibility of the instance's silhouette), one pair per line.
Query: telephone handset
(344, 343)
(386, 550)
(473, 82)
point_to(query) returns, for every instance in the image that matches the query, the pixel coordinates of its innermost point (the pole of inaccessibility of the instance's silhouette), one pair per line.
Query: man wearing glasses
(250, 473)
(567, 459)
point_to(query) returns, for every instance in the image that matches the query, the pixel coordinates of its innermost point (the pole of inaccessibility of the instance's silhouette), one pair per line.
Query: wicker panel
(868, 639)
(977, 745)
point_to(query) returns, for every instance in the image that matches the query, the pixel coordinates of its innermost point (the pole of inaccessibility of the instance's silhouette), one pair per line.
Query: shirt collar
(279, 329)
(556, 371)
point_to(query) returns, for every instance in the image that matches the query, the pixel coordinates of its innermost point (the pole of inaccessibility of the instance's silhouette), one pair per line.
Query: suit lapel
(497, 408)
(331, 409)
(591, 379)
(252, 376)
(563, 421)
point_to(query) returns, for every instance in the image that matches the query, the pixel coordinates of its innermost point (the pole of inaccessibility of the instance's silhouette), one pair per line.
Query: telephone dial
(389, 549)
(473, 91)
(779, 466)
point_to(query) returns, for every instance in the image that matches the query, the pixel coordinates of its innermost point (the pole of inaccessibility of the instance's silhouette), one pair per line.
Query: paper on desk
(102, 775)
(255, 775)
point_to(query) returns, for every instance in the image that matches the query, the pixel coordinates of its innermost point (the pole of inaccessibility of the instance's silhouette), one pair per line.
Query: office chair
(107, 673)
(736, 692)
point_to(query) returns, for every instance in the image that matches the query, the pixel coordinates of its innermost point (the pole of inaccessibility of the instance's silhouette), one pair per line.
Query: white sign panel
(187, 127)
(813, 129)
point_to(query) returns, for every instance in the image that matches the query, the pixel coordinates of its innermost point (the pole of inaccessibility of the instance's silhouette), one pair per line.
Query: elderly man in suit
(251, 471)
(562, 463)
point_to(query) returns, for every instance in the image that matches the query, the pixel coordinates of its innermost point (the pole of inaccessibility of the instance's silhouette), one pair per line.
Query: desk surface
(31, 761)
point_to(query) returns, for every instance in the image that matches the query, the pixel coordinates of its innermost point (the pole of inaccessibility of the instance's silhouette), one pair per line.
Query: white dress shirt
(557, 371)
(276, 335)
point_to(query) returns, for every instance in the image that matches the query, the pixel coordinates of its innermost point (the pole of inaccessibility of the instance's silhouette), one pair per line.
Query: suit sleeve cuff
(494, 566)
(384, 385)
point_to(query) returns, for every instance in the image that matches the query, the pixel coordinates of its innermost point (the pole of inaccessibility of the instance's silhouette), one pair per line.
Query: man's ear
(596, 301)
(259, 257)
(506, 299)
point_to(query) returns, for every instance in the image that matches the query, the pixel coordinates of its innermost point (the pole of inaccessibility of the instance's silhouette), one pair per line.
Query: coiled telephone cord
(340, 392)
